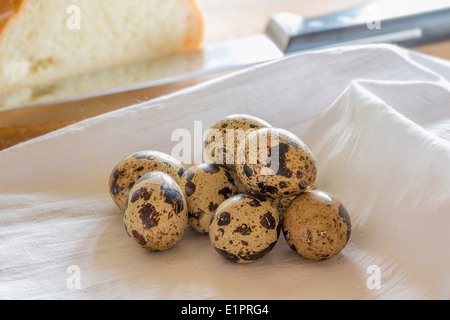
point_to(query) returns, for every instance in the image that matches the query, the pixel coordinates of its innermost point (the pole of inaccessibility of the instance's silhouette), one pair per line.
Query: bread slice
(104, 80)
(42, 41)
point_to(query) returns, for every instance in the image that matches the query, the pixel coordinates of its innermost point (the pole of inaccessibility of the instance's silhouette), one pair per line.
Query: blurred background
(224, 20)
(229, 19)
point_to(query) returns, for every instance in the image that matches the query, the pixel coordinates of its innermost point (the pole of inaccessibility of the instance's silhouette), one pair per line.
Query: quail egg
(205, 187)
(241, 187)
(134, 166)
(282, 204)
(223, 138)
(316, 225)
(275, 162)
(155, 213)
(245, 228)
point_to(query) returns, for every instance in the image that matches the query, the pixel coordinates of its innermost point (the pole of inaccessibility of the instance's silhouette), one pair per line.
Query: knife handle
(406, 23)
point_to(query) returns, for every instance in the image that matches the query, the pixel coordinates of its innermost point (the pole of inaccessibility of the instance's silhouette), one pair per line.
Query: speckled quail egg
(224, 136)
(241, 187)
(134, 166)
(205, 187)
(245, 228)
(316, 225)
(282, 204)
(275, 162)
(155, 213)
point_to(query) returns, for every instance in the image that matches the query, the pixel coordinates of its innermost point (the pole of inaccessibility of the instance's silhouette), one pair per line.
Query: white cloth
(377, 119)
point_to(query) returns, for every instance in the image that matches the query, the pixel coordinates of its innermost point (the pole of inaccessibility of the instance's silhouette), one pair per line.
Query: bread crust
(194, 38)
(8, 10)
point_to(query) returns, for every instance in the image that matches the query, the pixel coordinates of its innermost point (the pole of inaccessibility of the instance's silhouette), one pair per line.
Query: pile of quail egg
(241, 202)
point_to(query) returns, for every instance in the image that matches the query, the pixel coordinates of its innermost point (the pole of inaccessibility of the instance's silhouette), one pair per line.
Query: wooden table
(229, 19)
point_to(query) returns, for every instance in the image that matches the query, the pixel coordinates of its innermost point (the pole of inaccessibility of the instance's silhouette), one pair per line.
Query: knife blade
(406, 23)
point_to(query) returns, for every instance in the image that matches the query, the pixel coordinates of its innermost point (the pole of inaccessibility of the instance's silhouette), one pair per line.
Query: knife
(407, 23)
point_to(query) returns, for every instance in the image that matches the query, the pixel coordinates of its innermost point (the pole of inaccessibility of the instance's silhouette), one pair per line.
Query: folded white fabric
(376, 117)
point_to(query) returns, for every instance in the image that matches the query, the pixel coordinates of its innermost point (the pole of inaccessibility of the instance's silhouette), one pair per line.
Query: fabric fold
(406, 208)
(376, 117)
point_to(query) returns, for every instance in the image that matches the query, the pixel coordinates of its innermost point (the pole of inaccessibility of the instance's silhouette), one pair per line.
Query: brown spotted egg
(245, 228)
(241, 187)
(155, 213)
(205, 187)
(316, 225)
(276, 163)
(224, 137)
(282, 204)
(134, 166)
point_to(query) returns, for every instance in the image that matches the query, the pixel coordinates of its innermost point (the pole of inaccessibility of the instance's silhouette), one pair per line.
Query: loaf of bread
(45, 40)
